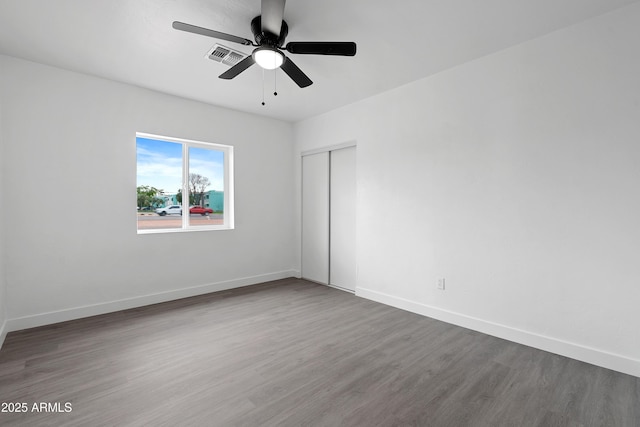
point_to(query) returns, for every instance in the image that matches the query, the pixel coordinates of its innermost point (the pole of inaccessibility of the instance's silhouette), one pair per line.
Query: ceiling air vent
(226, 55)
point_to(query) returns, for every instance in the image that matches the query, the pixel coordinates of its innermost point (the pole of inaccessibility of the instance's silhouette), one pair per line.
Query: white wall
(515, 177)
(3, 311)
(70, 170)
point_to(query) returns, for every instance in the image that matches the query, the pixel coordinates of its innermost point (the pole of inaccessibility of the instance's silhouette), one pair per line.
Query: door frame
(335, 147)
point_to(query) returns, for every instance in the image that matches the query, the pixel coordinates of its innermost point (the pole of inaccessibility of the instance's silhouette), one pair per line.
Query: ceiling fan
(270, 31)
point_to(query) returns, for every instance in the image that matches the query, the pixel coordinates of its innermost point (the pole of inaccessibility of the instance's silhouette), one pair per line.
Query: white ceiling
(398, 42)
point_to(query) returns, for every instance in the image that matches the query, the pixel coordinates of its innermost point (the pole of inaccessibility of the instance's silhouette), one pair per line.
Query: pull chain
(263, 86)
(275, 82)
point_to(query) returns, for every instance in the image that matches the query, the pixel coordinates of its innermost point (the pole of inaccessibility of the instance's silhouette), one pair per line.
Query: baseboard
(124, 304)
(590, 355)
(3, 332)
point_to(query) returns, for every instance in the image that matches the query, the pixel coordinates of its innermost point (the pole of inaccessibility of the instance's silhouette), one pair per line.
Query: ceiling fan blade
(272, 15)
(210, 33)
(295, 73)
(238, 68)
(322, 48)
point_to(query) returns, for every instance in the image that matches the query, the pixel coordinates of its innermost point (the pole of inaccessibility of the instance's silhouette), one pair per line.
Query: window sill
(183, 230)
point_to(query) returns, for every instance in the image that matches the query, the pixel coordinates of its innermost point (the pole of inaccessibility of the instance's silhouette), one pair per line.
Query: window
(183, 185)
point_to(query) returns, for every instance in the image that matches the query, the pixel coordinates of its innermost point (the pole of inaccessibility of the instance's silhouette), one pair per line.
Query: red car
(200, 210)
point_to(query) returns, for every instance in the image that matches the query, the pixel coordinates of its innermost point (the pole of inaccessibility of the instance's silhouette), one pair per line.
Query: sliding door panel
(343, 218)
(315, 217)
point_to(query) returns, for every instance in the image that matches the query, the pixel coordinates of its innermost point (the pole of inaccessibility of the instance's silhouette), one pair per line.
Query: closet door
(342, 258)
(315, 217)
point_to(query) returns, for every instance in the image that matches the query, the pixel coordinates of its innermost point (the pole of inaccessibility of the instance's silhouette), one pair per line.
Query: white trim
(229, 200)
(202, 144)
(184, 230)
(186, 191)
(335, 147)
(124, 304)
(3, 333)
(580, 352)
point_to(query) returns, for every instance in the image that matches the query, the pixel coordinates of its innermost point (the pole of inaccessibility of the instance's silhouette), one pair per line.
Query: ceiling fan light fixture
(268, 58)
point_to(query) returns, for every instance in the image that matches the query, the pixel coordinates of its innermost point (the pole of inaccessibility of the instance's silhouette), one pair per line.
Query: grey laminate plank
(290, 353)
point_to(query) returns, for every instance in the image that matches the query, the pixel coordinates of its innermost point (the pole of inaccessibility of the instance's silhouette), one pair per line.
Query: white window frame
(228, 214)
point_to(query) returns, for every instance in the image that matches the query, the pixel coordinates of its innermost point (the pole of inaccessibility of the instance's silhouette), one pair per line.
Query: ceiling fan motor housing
(267, 38)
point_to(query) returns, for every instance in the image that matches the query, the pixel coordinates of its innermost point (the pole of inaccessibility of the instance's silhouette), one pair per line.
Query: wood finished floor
(293, 353)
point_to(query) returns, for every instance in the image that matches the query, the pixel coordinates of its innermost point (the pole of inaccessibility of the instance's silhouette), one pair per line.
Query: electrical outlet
(441, 284)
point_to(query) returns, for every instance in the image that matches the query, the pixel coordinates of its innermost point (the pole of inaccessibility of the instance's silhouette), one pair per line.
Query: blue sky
(160, 165)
